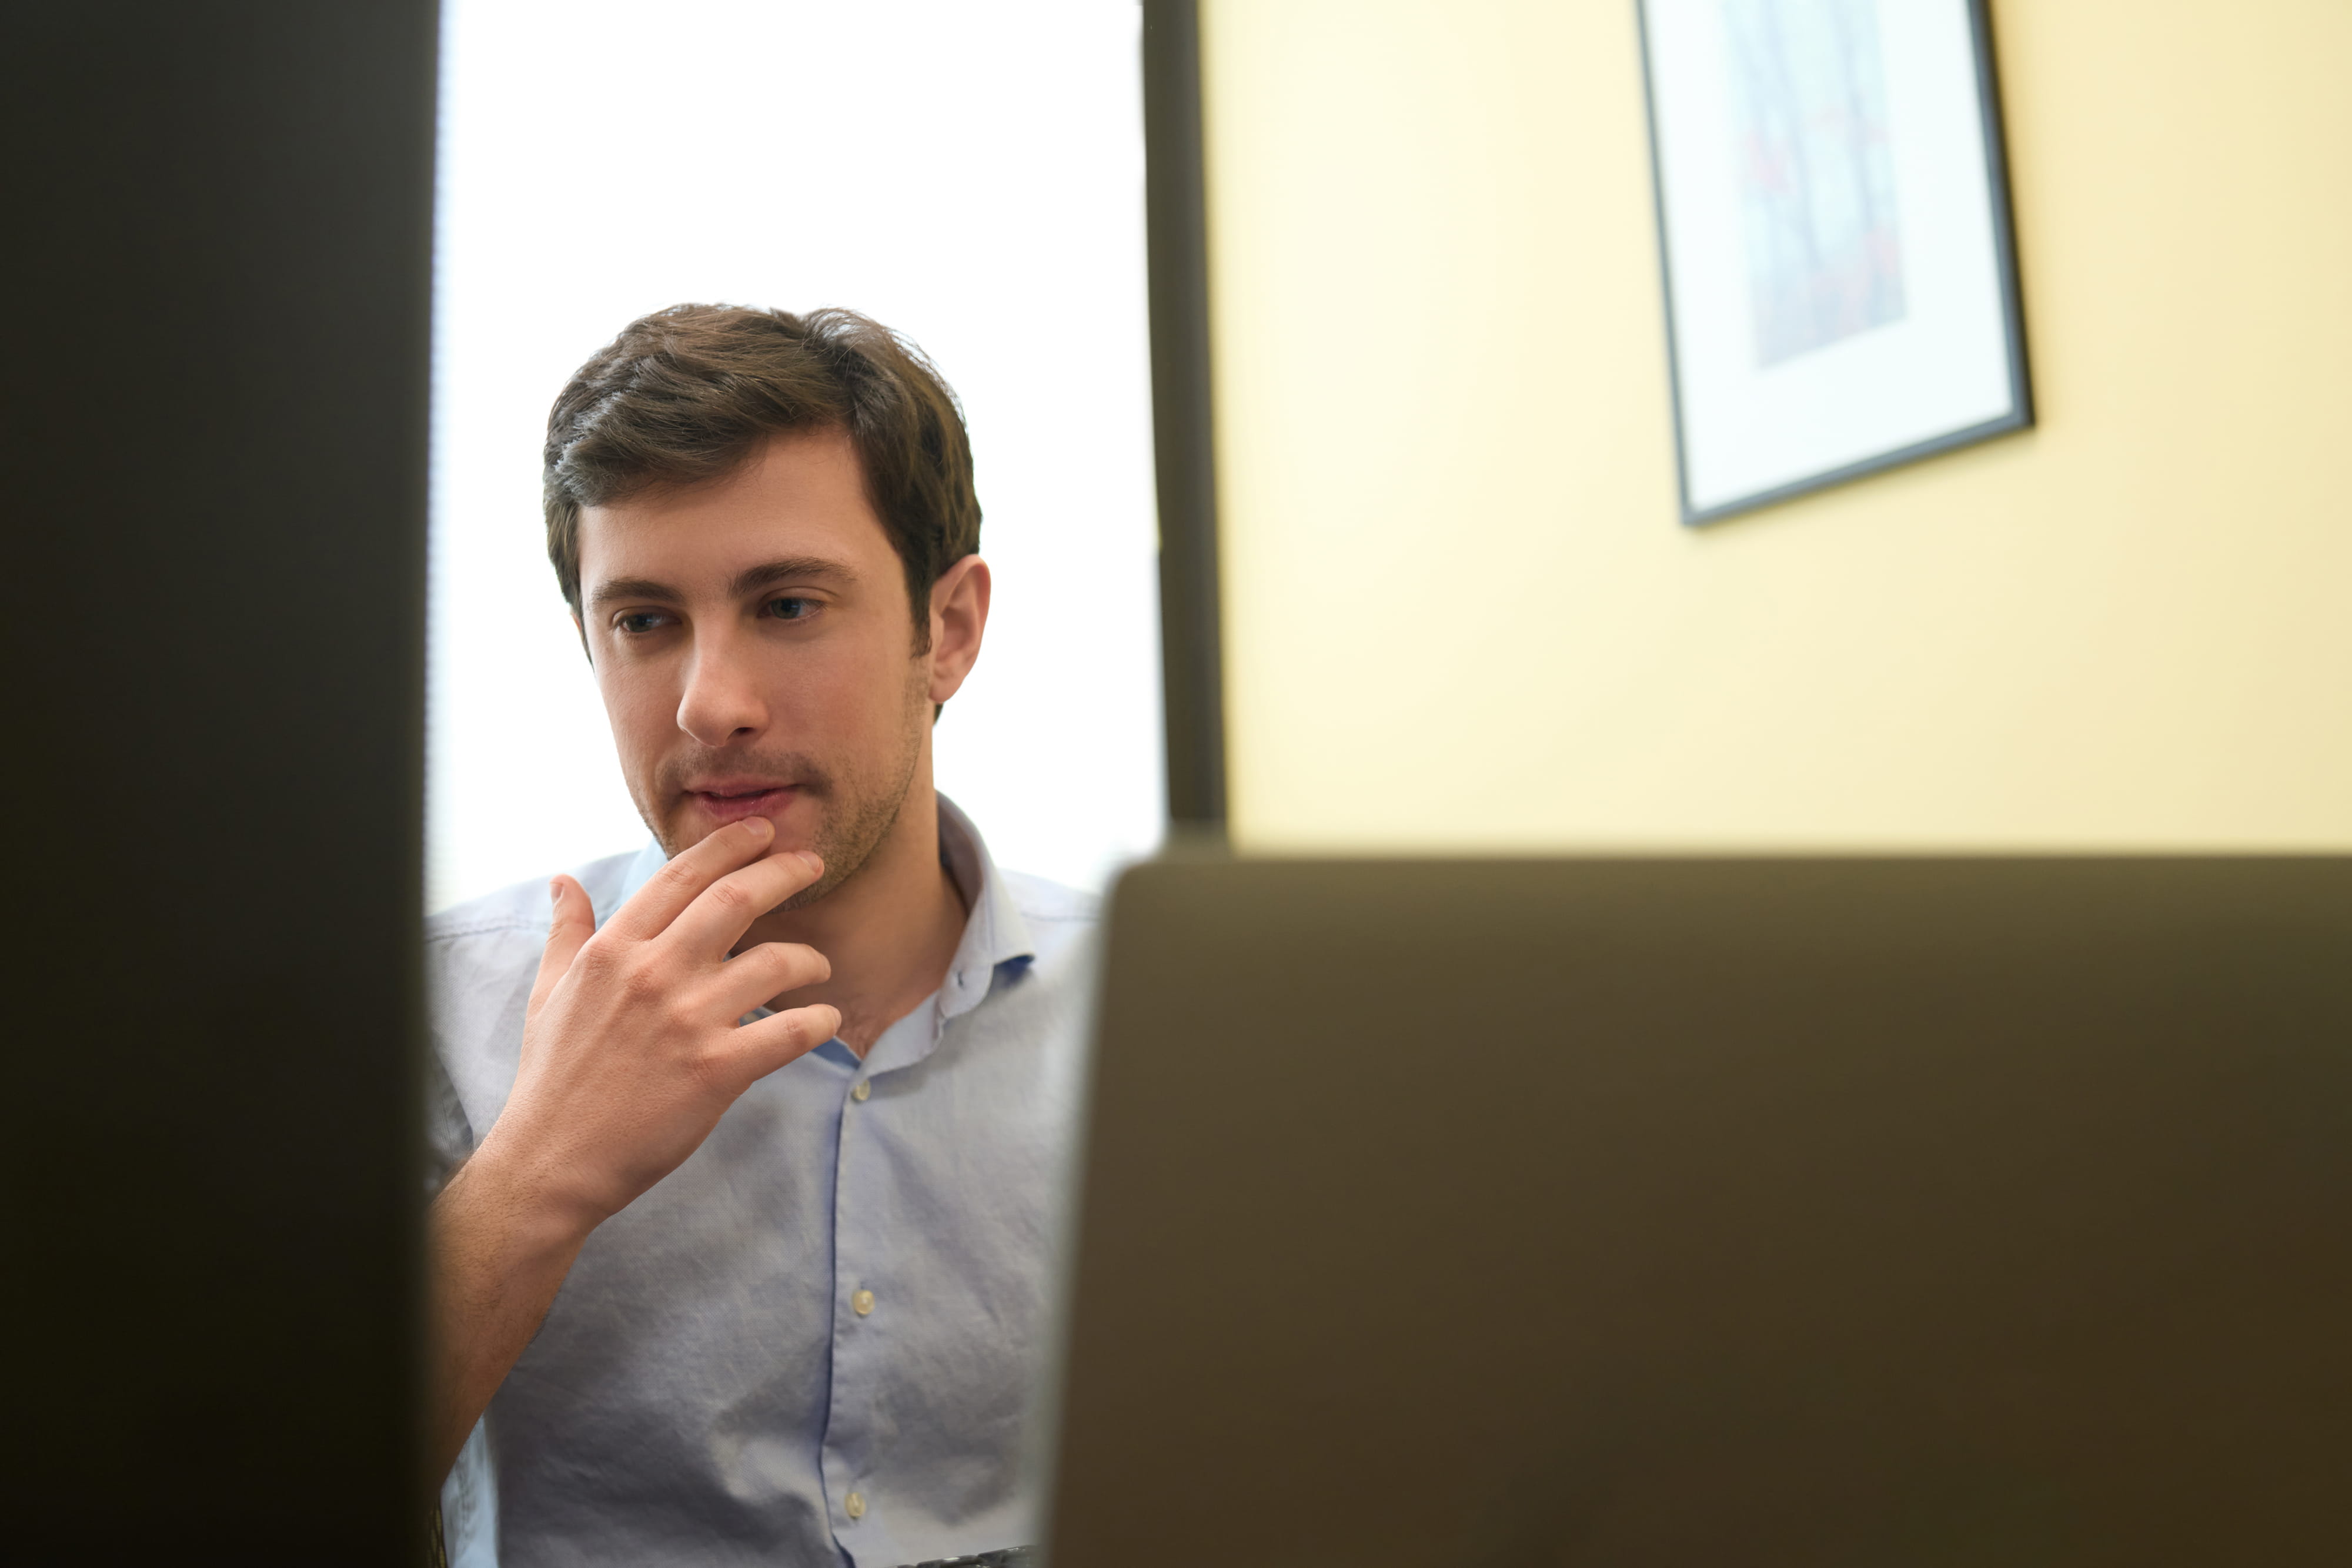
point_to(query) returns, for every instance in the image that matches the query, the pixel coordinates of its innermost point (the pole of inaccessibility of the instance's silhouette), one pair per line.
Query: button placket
(845, 1443)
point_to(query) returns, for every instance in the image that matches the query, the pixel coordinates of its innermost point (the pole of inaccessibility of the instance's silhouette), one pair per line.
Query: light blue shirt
(706, 1388)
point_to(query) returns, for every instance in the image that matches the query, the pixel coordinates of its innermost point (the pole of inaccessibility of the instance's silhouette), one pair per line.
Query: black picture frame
(1699, 510)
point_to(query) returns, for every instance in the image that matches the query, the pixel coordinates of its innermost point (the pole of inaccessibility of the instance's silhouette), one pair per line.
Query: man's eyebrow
(807, 568)
(640, 588)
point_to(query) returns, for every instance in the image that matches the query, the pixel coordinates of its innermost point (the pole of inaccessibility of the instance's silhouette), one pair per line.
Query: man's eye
(639, 624)
(792, 609)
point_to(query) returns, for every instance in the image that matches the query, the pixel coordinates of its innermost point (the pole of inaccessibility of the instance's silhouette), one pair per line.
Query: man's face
(756, 651)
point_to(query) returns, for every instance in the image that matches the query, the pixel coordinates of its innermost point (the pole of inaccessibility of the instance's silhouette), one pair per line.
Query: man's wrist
(518, 1190)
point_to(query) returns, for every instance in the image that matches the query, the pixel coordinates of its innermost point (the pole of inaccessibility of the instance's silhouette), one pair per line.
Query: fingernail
(555, 890)
(761, 826)
(809, 859)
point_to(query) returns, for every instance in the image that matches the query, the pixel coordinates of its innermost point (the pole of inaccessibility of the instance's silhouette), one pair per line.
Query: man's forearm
(632, 1046)
(499, 1255)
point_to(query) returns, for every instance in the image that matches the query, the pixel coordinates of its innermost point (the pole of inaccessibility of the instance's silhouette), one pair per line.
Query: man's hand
(631, 1053)
(630, 1049)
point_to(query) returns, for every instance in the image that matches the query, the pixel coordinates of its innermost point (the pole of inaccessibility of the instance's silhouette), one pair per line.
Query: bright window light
(971, 175)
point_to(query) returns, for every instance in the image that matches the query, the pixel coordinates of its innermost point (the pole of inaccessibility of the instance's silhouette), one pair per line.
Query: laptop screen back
(1623, 1211)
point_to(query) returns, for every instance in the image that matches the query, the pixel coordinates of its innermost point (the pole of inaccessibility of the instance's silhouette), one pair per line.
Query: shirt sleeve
(448, 1135)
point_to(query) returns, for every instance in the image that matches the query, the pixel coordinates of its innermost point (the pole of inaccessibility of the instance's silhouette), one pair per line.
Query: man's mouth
(732, 800)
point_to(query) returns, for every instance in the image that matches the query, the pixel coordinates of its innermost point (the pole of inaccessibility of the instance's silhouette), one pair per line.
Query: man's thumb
(568, 931)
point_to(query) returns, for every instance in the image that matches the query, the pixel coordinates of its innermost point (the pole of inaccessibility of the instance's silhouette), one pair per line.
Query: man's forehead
(800, 499)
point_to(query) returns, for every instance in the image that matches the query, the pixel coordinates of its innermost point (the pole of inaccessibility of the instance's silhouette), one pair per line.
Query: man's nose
(721, 701)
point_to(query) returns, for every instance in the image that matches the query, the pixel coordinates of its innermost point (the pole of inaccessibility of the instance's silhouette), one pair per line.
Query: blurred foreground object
(215, 458)
(1770, 1211)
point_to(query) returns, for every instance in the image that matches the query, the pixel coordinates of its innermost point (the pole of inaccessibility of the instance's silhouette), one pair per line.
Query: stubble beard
(855, 812)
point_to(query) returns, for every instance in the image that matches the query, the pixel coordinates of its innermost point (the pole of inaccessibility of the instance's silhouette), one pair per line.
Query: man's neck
(890, 931)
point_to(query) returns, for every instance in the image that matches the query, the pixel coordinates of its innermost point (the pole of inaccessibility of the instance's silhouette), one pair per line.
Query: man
(754, 1140)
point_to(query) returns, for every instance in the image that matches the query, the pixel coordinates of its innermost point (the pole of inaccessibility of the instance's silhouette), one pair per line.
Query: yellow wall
(1460, 611)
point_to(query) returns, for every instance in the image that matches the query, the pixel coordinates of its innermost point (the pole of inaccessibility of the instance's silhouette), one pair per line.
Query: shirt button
(859, 1091)
(862, 1302)
(855, 1505)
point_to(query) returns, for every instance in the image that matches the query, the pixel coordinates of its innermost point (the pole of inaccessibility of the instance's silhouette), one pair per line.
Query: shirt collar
(994, 934)
(641, 871)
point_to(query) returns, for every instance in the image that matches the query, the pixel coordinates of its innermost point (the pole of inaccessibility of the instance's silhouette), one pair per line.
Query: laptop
(1623, 1211)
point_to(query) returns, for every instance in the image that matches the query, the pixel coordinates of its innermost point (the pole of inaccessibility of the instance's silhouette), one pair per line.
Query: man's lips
(731, 802)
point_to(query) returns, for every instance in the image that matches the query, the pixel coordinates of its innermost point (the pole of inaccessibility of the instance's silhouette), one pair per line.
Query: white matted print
(1834, 221)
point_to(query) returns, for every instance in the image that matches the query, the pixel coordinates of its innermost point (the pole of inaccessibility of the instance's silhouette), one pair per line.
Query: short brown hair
(685, 394)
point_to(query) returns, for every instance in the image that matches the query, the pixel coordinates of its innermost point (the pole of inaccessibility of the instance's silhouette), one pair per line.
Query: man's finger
(653, 906)
(759, 1049)
(568, 930)
(758, 975)
(721, 913)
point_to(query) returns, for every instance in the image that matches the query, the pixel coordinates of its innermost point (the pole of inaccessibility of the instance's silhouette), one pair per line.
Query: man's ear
(958, 620)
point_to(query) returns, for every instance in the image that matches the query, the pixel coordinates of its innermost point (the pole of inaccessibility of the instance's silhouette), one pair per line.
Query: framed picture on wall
(1833, 224)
